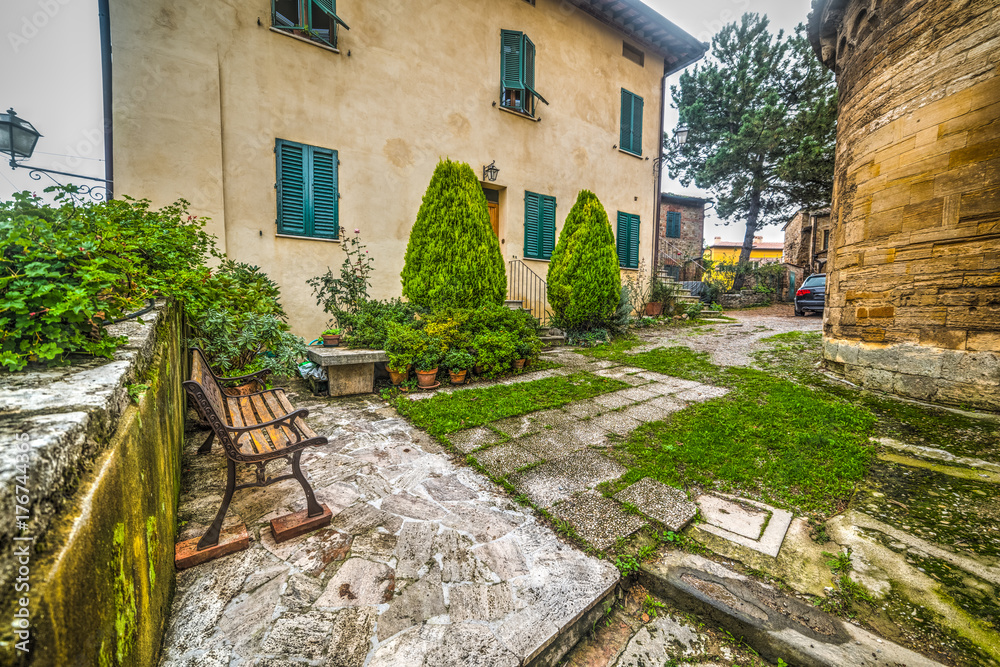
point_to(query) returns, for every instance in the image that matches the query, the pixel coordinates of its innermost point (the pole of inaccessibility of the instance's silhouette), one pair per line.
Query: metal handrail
(529, 288)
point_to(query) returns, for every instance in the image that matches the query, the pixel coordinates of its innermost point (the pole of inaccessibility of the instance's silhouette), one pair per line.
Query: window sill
(628, 268)
(306, 238)
(519, 114)
(630, 153)
(306, 40)
(537, 259)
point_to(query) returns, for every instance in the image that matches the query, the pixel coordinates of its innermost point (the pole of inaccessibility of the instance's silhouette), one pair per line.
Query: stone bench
(348, 371)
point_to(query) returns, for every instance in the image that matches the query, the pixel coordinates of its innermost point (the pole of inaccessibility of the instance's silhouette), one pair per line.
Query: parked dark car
(811, 295)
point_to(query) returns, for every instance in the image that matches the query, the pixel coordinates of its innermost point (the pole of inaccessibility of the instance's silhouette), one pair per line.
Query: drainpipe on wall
(104, 14)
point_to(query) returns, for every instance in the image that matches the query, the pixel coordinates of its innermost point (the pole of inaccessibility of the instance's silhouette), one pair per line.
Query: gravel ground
(733, 343)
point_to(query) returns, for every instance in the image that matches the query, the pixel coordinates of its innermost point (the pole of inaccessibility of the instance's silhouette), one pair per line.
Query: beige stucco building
(207, 94)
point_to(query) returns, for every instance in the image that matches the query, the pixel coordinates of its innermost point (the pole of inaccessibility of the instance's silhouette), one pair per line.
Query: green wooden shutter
(636, 125)
(633, 241)
(324, 194)
(673, 224)
(625, 137)
(510, 59)
(547, 216)
(330, 8)
(531, 226)
(621, 239)
(291, 169)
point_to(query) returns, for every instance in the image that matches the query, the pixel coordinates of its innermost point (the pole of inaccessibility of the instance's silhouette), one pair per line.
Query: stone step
(514, 304)
(772, 623)
(552, 341)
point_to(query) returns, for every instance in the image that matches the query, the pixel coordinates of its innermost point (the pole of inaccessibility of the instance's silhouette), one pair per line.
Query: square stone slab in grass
(584, 409)
(614, 400)
(740, 521)
(656, 410)
(505, 459)
(554, 417)
(516, 427)
(551, 444)
(597, 519)
(557, 480)
(632, 379)
(666, 504)
(702, 392)
(670, 385)
(473, 438)
(637, 394)
(602, 363)
(615, 422)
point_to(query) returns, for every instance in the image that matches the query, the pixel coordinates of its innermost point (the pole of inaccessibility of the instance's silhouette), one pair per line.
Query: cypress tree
(584, 280)
(453, 259)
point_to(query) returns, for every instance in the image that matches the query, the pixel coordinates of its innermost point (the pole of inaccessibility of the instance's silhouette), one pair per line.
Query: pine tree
(761, 116)
(453, 259)
(584, 281)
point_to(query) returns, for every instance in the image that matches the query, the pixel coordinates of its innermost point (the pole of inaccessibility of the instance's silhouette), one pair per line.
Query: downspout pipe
(667, 72)
(104, 14)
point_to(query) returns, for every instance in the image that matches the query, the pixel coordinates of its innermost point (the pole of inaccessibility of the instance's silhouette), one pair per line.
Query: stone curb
(775, 625)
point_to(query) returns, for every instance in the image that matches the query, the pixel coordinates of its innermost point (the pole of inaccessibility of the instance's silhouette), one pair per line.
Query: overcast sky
(50, 72)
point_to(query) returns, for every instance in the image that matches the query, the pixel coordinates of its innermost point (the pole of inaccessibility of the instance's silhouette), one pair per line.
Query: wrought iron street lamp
(681, 135)
(490, 171)
(18, 138)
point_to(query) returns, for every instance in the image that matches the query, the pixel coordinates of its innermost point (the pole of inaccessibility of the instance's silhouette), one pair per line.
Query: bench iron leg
(314, 507)
(211, 536)
(206, 447)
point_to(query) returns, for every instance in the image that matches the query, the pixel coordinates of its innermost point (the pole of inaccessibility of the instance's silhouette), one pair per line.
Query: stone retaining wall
(102, 483)
(744, 299)
(915, 260)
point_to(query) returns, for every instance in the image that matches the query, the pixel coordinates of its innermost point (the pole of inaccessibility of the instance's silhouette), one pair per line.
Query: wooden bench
(254, 425)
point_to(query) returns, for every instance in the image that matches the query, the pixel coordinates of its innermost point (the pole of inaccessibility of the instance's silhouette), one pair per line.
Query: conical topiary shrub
(453, 259)
(584, 281)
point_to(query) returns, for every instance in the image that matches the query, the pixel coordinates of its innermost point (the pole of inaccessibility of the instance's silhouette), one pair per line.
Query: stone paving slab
(615, 422)
(502, 460)
(551, 444)
(614, 400)
(473, 438)
(734, 519)
(429, 564)
(666, 504)
(598, 520)
(558, 480)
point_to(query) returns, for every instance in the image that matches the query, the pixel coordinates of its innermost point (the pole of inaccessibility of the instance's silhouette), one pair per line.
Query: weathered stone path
(426, 562)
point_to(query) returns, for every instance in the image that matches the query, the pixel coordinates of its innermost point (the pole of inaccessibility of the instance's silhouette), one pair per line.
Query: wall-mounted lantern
(490, 171)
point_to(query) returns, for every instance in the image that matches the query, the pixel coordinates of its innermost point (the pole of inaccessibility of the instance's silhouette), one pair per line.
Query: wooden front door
(494, 217)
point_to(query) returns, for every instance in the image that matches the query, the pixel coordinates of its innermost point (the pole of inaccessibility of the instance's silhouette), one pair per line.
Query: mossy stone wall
(102, 571)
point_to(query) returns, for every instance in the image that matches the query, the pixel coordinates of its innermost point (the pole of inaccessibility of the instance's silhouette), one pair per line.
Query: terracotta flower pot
(654, 308)
(459, 377)
(519, 364)
(331, 340)
(427, 378)
(398, 378)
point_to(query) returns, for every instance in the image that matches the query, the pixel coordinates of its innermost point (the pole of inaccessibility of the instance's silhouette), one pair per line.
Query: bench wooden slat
(236, 419)
(260, 443)
(278, 409)
(308, 432)
(277, 436)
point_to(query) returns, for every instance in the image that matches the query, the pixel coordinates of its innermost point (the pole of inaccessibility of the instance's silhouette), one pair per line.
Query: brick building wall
(681, 254)
(808, 236)
(913, 294)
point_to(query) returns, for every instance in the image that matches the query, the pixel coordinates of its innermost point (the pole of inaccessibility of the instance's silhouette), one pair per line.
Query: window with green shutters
(308, 199)
(631, 125)
(315, 19)
(627, 240)
(539, 225)
(673, 224)
(517, 73)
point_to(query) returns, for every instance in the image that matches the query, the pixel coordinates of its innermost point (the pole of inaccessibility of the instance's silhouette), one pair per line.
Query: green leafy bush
(495, 351)
(368, 327)
(453, 259)
(347, 294)
(584, 285)
(403, 345)
(458, 359)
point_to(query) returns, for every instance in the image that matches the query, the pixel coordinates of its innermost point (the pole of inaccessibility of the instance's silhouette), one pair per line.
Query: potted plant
(331, 338)
(427, 368)
(662, 295)
(522, 352)
(403, 344)
(458, 362)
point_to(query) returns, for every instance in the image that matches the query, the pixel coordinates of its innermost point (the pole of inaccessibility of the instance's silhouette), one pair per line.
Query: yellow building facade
(207, 94)
(729, 251)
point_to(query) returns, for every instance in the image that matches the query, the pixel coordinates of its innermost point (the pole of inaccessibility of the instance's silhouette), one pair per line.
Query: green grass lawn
(447, 413)
(771, 438)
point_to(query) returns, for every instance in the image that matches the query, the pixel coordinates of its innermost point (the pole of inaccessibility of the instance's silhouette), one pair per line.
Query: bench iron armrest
(284, 420)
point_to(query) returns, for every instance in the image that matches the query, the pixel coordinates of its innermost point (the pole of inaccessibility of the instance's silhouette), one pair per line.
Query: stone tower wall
(913, 295)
